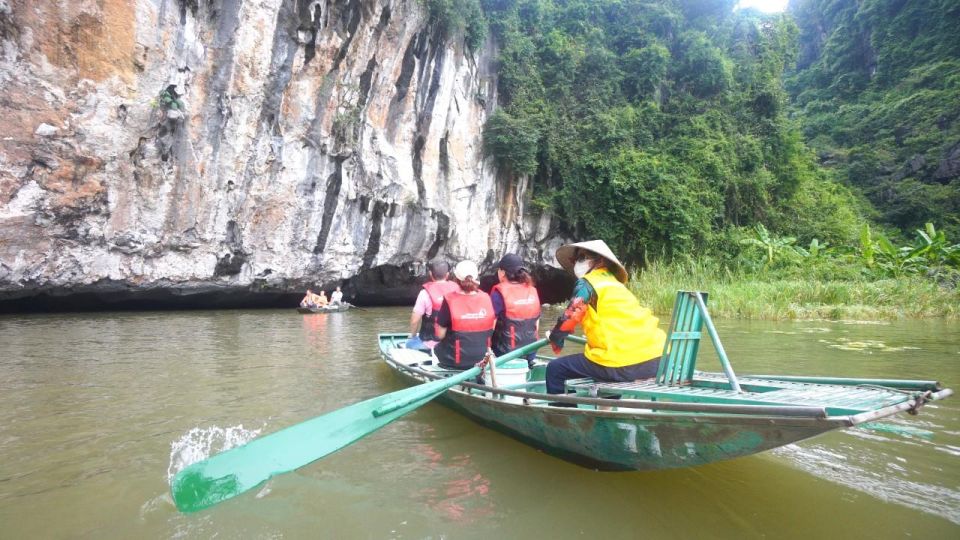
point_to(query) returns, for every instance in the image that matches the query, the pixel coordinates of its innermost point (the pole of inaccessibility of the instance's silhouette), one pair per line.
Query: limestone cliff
(151, 149)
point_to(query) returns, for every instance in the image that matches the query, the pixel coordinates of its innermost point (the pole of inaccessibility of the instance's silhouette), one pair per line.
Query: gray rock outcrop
(165, 148)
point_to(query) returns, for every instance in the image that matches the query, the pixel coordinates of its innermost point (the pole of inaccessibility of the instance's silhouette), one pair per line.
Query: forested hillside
(877, 86)
(665, 127)
(802, 164)
(661, 127)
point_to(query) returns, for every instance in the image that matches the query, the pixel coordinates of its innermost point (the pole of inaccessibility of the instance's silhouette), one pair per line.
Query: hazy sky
(768, 6)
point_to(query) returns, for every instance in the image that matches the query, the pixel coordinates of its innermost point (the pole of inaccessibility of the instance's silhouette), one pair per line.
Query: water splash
(200, 443)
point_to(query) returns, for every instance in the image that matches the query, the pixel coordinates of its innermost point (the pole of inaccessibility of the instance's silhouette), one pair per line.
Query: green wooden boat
(683, 417)
(329, 308)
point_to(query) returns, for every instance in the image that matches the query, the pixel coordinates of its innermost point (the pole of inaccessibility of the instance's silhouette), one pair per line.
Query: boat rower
(624, 342)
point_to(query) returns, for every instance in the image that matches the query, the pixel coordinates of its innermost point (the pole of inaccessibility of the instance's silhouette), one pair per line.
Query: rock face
(230, 152)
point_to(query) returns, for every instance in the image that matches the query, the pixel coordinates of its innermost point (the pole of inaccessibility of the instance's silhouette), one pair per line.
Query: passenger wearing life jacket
(516, 305)
(465, 322)
(624, 342)
(424, 317)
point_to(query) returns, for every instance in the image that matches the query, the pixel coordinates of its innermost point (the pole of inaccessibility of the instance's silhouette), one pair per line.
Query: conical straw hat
(565, 256)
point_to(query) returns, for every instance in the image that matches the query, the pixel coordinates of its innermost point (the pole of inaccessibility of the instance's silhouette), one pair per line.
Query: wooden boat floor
(714, 388)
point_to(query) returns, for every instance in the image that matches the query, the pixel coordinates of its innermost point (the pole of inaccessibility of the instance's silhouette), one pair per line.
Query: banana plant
(816, 249)
(895, 261)
(933, 247)
(867, 246)
(771, 246)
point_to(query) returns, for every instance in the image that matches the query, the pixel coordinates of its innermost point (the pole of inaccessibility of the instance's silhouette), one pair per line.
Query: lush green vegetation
(773, 296)
(661, 127)
(774, 278)
(666, 129)
(878, 88)
(458, 18)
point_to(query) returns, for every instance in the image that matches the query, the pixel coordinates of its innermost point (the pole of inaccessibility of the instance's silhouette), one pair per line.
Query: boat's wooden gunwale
(837, 400)
(634, 408)
(703, 411)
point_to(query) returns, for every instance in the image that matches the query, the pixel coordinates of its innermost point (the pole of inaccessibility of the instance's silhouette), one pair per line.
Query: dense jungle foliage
(666, 128)
(661, 127)
(877, 85)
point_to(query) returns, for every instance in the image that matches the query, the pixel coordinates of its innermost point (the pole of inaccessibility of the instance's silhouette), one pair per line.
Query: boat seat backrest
(679, 359)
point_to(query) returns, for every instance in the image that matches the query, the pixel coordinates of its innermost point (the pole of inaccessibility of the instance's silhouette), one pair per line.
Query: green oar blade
(228, 474)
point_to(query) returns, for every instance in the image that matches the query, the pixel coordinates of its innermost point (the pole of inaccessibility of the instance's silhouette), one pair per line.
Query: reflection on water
(101, 409)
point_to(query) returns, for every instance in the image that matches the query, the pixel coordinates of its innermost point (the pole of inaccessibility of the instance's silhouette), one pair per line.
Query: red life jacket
(436, 290)
(471, 325)
(517, 325)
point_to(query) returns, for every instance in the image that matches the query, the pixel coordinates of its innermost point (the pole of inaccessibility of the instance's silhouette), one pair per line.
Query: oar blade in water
(228, 474)
(237, 470)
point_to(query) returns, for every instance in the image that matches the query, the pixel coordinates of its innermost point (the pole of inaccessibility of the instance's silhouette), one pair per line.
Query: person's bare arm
(441, 332)
(414, 323)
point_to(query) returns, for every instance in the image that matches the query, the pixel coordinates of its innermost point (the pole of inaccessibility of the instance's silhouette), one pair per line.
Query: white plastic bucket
(509, 374)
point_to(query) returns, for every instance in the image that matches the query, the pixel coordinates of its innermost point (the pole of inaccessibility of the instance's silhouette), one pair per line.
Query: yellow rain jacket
(620, 332)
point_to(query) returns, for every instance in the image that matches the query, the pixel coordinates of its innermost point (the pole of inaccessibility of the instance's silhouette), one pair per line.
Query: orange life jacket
(517, 325)
(436, 290)
(471, 325)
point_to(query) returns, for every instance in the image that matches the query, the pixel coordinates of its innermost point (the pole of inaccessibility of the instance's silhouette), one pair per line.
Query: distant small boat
(329, 308)
(681, 418)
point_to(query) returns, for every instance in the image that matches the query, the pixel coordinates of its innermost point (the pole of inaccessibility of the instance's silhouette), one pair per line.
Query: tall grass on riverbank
(767, 295)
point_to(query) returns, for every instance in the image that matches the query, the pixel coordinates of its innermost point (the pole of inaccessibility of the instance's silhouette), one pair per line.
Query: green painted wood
(809, 397)
(679, 358)
(901, 384)
(665, 356)
(685, 335)
(715, 337)
(228, 474)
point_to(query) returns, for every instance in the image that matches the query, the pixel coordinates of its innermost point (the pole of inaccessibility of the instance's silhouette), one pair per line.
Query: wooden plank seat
(837, 400)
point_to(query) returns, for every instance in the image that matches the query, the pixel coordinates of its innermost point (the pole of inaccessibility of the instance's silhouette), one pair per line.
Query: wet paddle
(240, 469)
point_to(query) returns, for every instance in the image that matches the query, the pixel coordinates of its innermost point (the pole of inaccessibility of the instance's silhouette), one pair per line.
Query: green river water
(100, 410)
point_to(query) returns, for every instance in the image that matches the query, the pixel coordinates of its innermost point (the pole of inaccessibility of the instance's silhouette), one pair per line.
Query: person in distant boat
(322, 299)
(336, 297)
(423, 320)
(465, 321)
(516, 305)
(310, 300)
(624, 342)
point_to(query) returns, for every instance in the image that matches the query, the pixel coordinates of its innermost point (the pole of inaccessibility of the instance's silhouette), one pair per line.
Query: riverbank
(768, 296)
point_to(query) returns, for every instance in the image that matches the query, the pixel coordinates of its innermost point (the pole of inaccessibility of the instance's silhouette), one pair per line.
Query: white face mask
(581, 268)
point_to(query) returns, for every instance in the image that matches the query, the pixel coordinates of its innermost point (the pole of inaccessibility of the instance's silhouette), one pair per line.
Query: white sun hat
(465, 269)
(565, 256)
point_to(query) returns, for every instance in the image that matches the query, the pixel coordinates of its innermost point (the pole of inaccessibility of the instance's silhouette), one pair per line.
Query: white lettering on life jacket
(525, 301)
(482, 314)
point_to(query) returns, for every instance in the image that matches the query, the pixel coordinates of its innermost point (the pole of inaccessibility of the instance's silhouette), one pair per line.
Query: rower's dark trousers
(576, 366)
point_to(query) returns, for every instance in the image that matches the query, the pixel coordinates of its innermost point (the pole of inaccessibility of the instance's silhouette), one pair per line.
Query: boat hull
(628, 440)
(330, 309)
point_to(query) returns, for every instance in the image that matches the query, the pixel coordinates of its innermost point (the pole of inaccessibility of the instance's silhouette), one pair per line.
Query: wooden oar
(239, 469)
